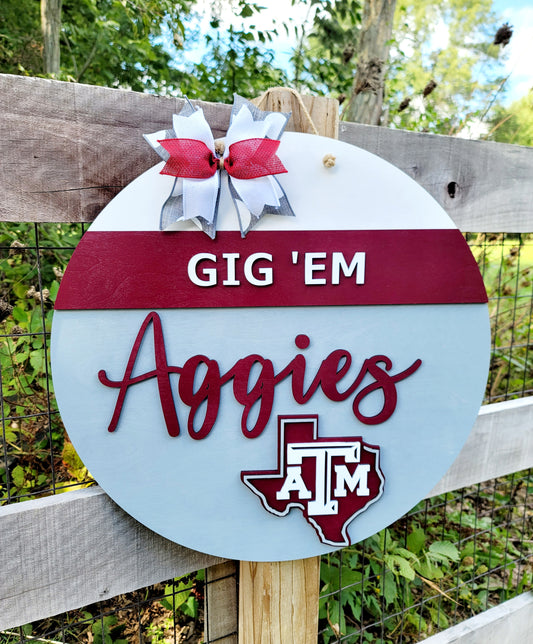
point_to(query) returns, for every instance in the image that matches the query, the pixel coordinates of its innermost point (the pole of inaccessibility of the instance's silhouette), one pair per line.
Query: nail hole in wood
(452, 189)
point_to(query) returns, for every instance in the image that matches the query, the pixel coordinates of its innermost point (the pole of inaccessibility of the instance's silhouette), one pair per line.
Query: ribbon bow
(249, 159)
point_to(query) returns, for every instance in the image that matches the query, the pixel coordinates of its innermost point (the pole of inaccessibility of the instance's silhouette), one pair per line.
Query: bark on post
(51, 28)
(366, 101)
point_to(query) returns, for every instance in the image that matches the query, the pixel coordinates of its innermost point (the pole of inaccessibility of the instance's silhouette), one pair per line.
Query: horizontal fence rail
(509, 622)
(83, 534)
(68, 149)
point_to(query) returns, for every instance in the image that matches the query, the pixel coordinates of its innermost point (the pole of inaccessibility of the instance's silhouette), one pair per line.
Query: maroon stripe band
(157, 270)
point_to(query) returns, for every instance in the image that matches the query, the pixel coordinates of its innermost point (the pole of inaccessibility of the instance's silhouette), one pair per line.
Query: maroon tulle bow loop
(189, 158)
(247, 159)
(253, 158)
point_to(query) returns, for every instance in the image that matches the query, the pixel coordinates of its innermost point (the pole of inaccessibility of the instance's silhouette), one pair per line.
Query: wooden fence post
(278, 601)
(220, 615)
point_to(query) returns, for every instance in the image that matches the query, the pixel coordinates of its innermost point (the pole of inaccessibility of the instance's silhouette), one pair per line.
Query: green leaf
(390, 589)
(37, 360)
(190, 607)
(417, 621)
(429, 570)
(383, 542)
(525, 582)
(247, 11)
(181, 592)
(11, 437)
(416, 540)
(354, 602)
(400, 566)
(37, 342)
(350, 577)
(20, 290)
(438, 617)
(372, 604)
(445, 549)
(54, 288)
(22, 356)
(17, 476)
(73, 462)
(407, 554)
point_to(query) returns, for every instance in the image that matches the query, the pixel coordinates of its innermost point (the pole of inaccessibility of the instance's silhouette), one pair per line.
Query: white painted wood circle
(191, 491)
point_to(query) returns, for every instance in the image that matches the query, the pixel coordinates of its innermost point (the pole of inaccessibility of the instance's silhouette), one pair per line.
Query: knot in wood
(329, 160)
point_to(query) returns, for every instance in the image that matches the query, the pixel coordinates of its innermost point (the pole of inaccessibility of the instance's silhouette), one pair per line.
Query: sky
(518, 13)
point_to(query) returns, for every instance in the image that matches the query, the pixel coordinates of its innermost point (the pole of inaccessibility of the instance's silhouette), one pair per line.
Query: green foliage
(506, 263)
(326, 53)
(382, 575)
(182, 595)
(449, 42)
(119, 44)
(143, 46)
(462, 559)
(107, 630)
(515, 123)
(73, 462)
(20, 37)
(31, 443)
(103, 42)
(233, 62)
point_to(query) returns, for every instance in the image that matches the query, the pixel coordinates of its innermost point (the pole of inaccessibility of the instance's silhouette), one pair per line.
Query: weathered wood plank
(278, 601)
(491, 183)
(500, 443)
(221, 608)
(510, 622)
(70, 550)
(67, 149)
(67, 551)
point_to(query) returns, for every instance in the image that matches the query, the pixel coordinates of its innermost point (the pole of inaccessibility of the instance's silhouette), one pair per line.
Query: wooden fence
(68, 149)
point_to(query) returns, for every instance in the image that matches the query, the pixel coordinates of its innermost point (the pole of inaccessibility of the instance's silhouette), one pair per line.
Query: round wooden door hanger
(281, 394)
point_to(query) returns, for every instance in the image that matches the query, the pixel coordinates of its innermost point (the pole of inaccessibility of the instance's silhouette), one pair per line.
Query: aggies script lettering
(329, 375)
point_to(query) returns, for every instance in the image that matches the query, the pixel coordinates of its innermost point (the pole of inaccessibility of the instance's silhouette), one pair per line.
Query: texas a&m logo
(331, 480)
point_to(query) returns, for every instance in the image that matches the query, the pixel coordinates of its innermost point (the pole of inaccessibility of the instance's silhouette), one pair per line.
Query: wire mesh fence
(168, 612)
(451, 557)
(506, 263)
